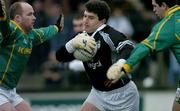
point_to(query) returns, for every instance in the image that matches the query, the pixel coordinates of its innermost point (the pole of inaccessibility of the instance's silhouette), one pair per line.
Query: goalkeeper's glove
(118, 70)
(60, 22)
(81, 41)
(2, 10)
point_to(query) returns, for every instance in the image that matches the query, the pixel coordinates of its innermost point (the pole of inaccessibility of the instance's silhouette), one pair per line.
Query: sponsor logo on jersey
(23, 50)
(94, 65)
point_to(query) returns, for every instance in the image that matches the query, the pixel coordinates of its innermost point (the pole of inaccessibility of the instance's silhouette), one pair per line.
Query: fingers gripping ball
(84, 55)
(84, 41)
(85, 47)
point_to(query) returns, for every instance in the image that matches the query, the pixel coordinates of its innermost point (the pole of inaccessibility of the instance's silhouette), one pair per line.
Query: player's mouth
(86, 26)
(33, 23)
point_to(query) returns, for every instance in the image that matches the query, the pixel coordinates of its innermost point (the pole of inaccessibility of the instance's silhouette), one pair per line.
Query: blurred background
(52, 86)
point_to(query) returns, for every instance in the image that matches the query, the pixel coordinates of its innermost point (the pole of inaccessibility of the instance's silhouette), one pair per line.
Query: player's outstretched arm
(4, 21)
(2, 10)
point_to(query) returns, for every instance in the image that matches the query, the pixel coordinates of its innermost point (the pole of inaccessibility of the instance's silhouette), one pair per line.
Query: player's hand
(60, 22)
(82, 41)
(2, 10)
(115, 72)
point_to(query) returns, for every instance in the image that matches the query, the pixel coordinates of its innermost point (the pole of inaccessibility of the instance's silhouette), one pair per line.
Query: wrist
(58, 27)
(69, 47)
(121, 62)
(127, 68)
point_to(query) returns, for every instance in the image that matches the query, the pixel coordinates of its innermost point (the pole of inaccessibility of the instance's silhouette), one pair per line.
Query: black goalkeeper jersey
(112, 45)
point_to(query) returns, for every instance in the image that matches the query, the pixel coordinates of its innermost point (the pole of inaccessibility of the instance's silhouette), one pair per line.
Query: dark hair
(98, 7)
(15, 9)
(170, 3)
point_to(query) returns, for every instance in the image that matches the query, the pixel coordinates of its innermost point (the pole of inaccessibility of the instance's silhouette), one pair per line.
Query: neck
(20, 26)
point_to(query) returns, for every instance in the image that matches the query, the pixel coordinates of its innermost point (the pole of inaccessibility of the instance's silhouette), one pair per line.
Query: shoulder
(112, 33)
(13, 25)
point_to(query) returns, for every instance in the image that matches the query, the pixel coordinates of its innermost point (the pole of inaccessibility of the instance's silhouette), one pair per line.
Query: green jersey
(164, 35)
(15, 49)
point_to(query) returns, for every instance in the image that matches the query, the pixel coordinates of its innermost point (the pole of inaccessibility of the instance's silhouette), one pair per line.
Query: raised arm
(4, 22)
(2, 10)
(46, 33)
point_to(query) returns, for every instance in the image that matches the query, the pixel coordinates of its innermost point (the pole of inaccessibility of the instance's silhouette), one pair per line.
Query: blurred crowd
(134, 18)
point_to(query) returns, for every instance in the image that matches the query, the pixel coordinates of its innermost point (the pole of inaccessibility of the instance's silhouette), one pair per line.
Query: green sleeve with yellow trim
(137, 54)
(176, 47)
(43, 34)
(160, 38)
(164, 35)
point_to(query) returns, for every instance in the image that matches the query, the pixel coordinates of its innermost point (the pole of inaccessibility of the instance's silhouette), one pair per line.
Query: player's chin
(160, 16)
(88, 30)
(32, 26)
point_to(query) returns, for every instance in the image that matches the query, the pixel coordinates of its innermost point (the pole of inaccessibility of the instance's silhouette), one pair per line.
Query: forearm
(43, 34)
(49, 32)
(137, 54)
(122, 67)
(62, 55)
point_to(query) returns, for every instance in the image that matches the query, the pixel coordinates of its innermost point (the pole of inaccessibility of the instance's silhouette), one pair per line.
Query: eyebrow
(90, 16)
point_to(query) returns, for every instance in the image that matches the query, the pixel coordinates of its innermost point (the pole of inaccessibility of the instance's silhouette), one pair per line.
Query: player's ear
(17, 18)
(103, 21)
(164, 5)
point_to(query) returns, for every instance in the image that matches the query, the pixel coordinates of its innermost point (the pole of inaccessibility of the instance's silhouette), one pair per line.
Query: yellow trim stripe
(147, 44)
(157, 34)
(178, 37)
(14, 30)
(57, 29)
(127, 68)
(8, 64)
(41, 40)
(172, 10)
(18, 26)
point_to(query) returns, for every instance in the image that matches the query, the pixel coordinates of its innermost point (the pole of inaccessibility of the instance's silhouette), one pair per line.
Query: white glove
(81, 41)
(76, 66)
(115, 72)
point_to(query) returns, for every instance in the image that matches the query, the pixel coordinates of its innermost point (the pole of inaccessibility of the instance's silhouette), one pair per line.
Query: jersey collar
(172, 10)
(18, 26)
